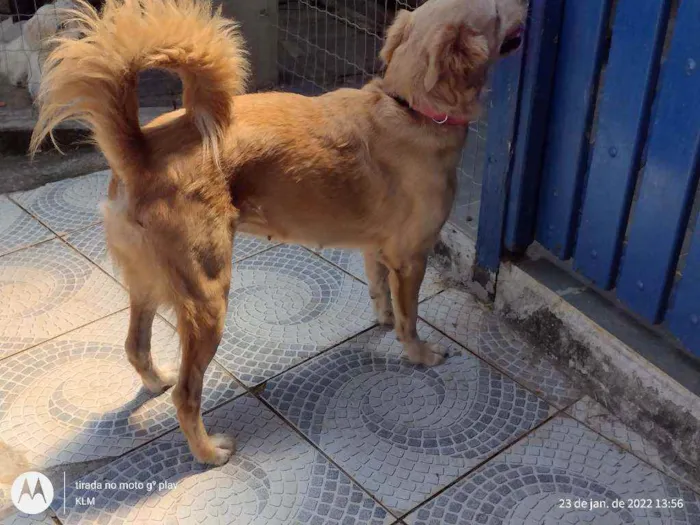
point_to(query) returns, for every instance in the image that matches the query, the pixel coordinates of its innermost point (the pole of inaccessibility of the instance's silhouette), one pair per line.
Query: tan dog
(372, 169)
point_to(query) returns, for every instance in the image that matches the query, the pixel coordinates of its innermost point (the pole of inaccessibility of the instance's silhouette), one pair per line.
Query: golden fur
(351, 168)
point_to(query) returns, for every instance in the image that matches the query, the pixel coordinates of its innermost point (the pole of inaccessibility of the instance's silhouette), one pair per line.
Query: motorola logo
(32, 493)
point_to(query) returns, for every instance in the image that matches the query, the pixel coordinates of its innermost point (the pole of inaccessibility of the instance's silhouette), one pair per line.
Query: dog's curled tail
(94, 79)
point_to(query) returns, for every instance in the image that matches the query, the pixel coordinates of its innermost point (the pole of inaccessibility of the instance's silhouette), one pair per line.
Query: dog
(372, 168)
(22, 58)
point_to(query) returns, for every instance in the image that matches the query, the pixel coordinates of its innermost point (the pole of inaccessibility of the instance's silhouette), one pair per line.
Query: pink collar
(442, 119)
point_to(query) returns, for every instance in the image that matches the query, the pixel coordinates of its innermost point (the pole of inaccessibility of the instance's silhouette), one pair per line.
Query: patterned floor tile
(245, 246)
(91, 243)
(49, 289)
(460, 316)
(17, 228)
(597, 417)
(287, 304)
(68, 204)
(352, 262)
(25, 519)
(400, 430)
(561, 464)
(274, 478)
(76, 398)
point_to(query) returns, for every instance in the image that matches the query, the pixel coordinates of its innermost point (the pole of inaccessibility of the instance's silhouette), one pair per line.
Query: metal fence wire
(321, 45)
(26, 26)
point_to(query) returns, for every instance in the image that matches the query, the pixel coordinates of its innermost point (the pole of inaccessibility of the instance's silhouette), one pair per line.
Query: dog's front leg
(405, 280)
(378, 277)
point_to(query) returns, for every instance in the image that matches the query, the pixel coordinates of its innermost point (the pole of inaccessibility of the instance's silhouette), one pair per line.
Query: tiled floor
(333, 426)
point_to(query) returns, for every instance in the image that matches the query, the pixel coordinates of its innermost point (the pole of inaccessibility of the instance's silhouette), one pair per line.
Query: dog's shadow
(175, 466)
(64, 475)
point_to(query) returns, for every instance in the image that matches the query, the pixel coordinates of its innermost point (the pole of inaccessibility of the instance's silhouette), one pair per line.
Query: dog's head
(439, 55)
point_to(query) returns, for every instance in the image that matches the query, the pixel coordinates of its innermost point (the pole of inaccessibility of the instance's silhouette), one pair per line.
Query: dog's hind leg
(200, 332)
(129, 247)
(378, 276)
(138, 345)
(201, 312)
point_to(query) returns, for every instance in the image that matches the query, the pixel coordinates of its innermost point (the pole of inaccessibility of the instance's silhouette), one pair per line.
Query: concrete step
(19, 172)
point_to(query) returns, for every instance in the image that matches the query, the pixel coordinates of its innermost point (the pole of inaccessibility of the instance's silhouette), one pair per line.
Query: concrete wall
(258, 21)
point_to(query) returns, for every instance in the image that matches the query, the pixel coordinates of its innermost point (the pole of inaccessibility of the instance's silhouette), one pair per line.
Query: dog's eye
(513, 41)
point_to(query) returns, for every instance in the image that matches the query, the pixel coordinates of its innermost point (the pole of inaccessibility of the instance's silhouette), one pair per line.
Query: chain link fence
(26, 27)
(321, 45)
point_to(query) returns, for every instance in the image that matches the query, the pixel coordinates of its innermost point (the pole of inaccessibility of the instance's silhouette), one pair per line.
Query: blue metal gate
(603, 153)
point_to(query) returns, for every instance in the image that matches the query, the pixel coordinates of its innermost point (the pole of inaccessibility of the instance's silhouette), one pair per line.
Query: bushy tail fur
(94, 79)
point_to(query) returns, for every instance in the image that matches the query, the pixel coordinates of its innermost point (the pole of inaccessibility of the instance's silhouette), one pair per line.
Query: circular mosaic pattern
(404, 430)
(114, 380)
(282, 288)
(18, 228)
(520, 487)
(92, 243)
(273, 479)
(352, 261)
(515, 356)
(416, 408)
(247, 245)
(459, 315)
(407, 408)
(32, 285)
(76, 387)
(68, 204)
(286, 304)
(513, 493)
(77, 398)
(245, 492)
(50, 289)
(502, 494)
(241, 490)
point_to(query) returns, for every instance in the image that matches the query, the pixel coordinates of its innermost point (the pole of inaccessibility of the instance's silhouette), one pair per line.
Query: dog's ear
(396, 35)
(455, 50)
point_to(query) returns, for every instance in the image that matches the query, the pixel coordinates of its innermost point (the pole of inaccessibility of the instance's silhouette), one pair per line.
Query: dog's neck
(441, 119)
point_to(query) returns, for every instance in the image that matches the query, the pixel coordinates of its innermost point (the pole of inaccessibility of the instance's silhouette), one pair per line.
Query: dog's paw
(421, 353)
(158, 381)
(385, 318)
(220, 450)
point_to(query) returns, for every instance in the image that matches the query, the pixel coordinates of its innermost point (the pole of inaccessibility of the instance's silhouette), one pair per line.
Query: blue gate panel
(578, 67)
(537, 79)
(683, 318)
(670, 175)
(502, 119)
(623, 113)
